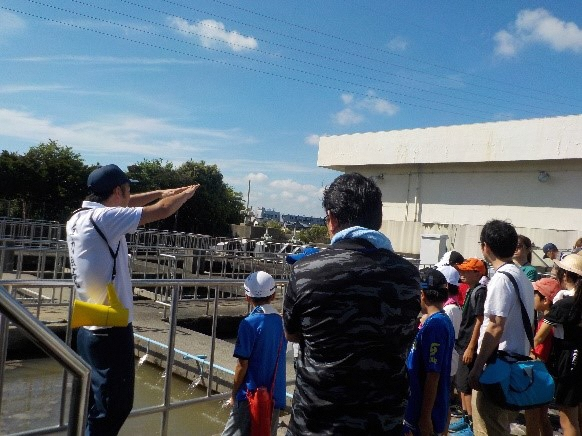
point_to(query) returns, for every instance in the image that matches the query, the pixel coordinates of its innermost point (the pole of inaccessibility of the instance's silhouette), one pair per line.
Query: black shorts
(462, 377)
(568, 379)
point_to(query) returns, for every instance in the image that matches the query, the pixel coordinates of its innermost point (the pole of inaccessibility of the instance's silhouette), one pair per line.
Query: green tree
(212, 209)
(56, 180)
(48, 181)
(315, 235)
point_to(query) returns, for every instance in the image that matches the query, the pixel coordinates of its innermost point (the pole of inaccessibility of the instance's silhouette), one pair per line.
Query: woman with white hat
(567, 313)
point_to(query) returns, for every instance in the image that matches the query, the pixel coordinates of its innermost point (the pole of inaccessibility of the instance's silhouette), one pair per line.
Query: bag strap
(277, 365)
(100, 232)
(524, 315)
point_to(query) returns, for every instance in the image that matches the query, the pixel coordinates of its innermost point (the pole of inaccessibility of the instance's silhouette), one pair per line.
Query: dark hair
(436, 295)
(456, 258)
(578, 243)
(354, 200)
(526, 242)
(452, 289)
(262, 300)
(99, 197)
(501, 238)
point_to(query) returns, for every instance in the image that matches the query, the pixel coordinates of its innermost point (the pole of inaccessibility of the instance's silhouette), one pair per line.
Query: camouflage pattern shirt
(355, 308)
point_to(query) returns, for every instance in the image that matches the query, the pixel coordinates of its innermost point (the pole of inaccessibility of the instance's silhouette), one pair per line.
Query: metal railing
(11, 309)
(52, 340)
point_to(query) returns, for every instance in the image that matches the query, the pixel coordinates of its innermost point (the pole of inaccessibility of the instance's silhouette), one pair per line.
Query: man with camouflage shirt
(353, 310)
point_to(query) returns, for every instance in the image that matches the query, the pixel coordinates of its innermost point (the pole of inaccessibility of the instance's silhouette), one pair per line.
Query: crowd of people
(382, 347)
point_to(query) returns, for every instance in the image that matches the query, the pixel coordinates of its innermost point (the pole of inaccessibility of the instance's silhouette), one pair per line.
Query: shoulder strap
(100, 232)
(277, 364)
(524, 316)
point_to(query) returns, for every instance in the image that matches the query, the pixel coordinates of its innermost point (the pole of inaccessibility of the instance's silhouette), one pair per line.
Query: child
(260, 352)
(472, 271)
(537, 421)
(429, 361)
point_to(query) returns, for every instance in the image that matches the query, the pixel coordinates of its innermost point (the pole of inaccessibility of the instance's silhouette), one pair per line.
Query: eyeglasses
(481, 243)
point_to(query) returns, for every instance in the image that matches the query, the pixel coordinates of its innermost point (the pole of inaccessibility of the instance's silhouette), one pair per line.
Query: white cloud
(348, 116)
(377, 105)
(118, 133)
(538, 26)
(356, 110)
(15, 89)
(347, 98)
(10, 24)
(212, 33)
(398, 44)
(312, 139)
(257, 177)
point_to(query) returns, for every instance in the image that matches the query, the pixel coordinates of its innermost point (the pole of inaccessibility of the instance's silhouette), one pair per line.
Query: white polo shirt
(502, 301)
(91, 261)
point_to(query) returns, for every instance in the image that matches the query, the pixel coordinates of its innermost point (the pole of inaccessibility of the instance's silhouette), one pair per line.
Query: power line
(521, 106)
(383, 51)
(268, 73)
(321, 76)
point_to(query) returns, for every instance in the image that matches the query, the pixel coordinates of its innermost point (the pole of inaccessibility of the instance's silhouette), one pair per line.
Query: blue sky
(250, 86)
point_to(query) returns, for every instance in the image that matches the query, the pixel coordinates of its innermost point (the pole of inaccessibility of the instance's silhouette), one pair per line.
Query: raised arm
(168, 205)
(143, 198)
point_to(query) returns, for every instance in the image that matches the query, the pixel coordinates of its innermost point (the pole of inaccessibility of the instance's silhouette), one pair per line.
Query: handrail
(54, 347)
(167, 405)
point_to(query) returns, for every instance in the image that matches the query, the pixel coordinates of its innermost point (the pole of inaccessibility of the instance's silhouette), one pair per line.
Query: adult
(551, 251)
(353, 310)
(97, 247)
(452, 258)
(502, 323)
(522, 257)
(567, 314)
(260, 351)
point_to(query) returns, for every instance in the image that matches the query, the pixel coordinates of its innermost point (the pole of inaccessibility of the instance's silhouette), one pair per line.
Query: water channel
(32, 390)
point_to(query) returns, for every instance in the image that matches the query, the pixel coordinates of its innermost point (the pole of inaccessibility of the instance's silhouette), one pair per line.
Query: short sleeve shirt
(502, 301)
(473, 307)
(430, 352)
(91, 261)
(261, 341)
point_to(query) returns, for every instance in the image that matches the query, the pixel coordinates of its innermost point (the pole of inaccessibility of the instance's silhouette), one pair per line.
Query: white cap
(259, 285)
(451, 274)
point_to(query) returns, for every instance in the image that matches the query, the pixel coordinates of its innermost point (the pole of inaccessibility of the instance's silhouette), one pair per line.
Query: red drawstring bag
(261, 406)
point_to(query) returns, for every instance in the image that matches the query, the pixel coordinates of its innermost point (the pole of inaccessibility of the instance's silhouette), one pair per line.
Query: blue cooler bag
(516, 382)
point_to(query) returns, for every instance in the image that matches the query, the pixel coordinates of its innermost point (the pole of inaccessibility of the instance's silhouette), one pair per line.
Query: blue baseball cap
(292, 258)
(104, 179)
(549, 247)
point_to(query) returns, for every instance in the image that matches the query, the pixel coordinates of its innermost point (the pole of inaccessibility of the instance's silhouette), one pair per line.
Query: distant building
(293, 221)
(451, 180)
(262, 215)
(306, 221)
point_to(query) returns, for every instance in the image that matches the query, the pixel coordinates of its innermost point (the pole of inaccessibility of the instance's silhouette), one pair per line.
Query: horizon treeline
(49, 182)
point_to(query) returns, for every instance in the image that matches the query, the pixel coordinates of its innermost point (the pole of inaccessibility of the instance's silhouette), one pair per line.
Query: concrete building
(451, 180)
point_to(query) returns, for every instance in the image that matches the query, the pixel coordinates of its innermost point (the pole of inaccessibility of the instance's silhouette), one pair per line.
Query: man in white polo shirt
(502, 326)
(98, 255)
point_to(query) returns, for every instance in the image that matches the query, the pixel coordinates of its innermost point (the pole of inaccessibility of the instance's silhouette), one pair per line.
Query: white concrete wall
(506, 141)
(452, 180)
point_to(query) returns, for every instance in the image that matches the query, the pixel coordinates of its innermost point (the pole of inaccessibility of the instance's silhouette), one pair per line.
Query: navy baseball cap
(549, 247)
(103, 179)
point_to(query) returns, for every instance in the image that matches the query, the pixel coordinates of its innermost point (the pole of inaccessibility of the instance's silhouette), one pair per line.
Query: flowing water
(32, 392)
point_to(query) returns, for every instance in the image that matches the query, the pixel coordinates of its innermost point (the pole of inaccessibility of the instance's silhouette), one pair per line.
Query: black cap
(104, 179)
(434, 284)
(431, 278)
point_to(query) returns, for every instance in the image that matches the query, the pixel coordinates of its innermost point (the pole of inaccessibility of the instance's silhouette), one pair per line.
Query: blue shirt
(258, 341)
(431, 352)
